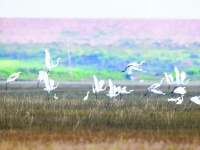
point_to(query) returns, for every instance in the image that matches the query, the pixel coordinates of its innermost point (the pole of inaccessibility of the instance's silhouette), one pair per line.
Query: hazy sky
(182, 9)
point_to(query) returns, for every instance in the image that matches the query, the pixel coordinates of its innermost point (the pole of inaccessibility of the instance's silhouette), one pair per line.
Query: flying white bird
(113, 92)
(135, 66)
(49, 85)
(12, 78)
(195, 99)
(177, 100)
(86, 97)
(49, 62)
(98, 86)
(122, 90)
(179, 90)
(55, 97)
(180, 79)
(154, 88)
(42, 75)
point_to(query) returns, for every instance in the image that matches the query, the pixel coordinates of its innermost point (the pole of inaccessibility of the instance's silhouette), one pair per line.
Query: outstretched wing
(101, 83)
(183, 76)
(96, 83)
(48, 60)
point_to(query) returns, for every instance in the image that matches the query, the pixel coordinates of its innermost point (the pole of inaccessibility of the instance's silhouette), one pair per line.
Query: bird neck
(56, 85)
(130, 91)
(56, 63)
(161, 81)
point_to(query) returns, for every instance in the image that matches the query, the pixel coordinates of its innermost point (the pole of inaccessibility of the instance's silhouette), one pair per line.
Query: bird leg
(38, 84)
(6, 86)
(169, 87)
(47, 96)
(96, 96)
(120, 96)
(146, 93)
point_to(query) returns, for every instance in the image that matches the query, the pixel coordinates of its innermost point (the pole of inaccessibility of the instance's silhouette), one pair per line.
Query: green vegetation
(105, 61)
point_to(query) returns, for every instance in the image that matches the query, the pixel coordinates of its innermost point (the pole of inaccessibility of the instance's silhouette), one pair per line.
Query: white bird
(180, 100)
(177, 100)
(49, 85)
(135, 66)
(49, 62)
(179, 90)
(154, 88)
(41, 77)
(98, 86)
(195, 99)
(113, 92)
(55, 96)
(86, 97)
(122, 90)
(180, 79)
(12, 78)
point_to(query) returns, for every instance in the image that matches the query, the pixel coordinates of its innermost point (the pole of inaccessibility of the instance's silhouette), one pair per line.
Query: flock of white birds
(98, 86)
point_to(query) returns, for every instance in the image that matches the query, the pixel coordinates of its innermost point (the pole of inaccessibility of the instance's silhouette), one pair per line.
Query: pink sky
(97, 30)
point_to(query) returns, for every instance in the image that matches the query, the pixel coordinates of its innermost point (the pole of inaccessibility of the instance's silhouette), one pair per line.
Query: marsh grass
(26, 116)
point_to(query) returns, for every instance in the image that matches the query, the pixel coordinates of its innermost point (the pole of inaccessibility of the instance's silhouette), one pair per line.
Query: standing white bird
(98, 86)
(41, 77)
(180, 100)
(122, 91)
(55, 97)
(195, 99)
(12, 78)
(49, 85)
(179, 90)
(86, 97)
(113, 92)
(49, 62)
(134, 66)
(154, 88)
(177, 100)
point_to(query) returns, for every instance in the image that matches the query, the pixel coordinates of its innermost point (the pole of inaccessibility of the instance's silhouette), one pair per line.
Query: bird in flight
(12, 78)
(135, 66)
(49, 62)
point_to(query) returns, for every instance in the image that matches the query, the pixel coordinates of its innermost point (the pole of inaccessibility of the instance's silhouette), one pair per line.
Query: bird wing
(171, 78)
(96, 83)
(195, 99)
(47, 84)
(12, 77)
(111, 86)
(177, 75)
(48, 60)
(42, 75)
(101, 83)
(119, 89)
(172, 100)
(183, 76)
(167, 78)
(52, 82)
(157, 91)
(180, 90)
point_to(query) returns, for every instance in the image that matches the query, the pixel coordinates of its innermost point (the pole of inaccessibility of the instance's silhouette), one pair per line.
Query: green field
(29, 121)
(104, 61)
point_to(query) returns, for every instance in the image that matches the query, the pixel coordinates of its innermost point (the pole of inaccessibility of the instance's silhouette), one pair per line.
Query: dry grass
(28, 121)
